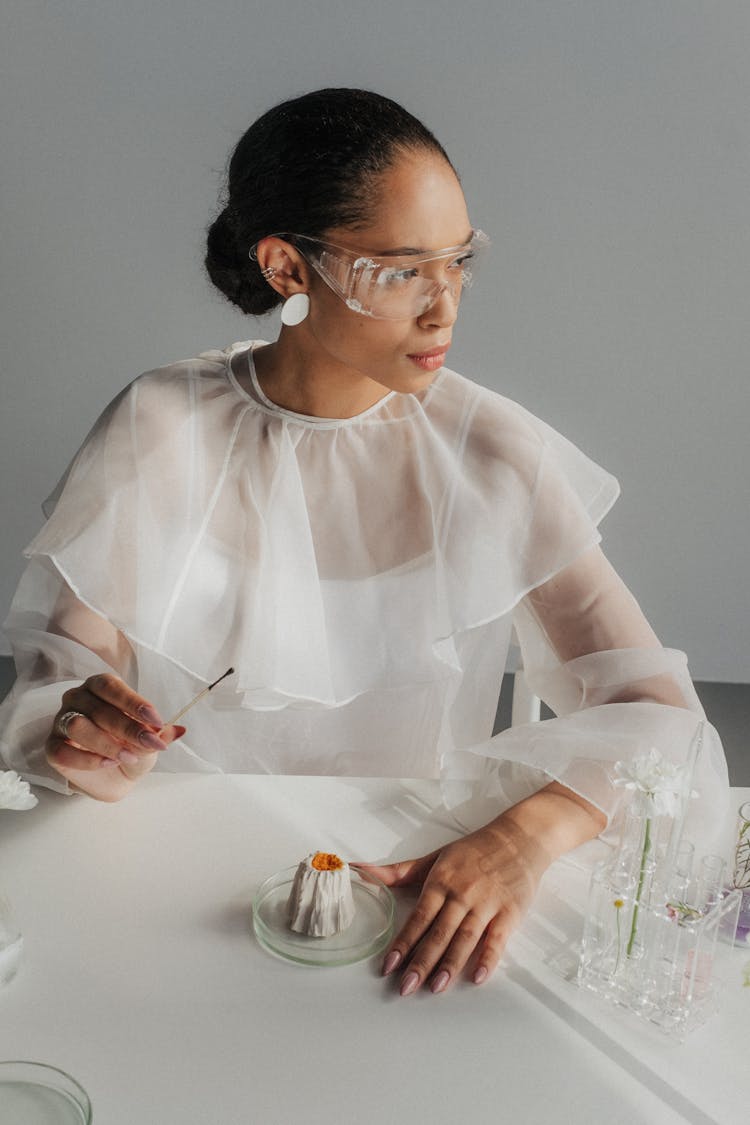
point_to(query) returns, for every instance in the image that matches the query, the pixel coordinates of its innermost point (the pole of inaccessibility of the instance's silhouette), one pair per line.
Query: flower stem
(641, 877)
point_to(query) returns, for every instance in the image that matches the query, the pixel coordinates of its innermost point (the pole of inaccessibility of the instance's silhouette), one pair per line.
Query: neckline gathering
(261, 400)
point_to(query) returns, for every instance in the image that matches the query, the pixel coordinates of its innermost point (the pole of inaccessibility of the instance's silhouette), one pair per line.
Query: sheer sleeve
(589, 653)
(57, 643)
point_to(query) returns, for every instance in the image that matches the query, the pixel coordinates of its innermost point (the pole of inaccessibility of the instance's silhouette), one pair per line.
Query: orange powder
(326, 861)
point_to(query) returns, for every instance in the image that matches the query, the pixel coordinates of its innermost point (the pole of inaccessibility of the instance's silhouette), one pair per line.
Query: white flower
(14, 792)
(662, 782)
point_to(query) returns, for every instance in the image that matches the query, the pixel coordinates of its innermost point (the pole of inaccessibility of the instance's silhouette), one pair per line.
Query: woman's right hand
(112, 739)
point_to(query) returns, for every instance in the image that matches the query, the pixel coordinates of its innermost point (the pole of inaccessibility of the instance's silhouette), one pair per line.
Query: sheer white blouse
(362, 575)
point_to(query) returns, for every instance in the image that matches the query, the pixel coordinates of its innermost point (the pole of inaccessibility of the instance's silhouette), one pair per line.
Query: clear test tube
(741, 875)
(681, 873)
(710, 882)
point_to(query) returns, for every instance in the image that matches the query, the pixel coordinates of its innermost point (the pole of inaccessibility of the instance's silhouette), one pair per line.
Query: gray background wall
(605, 147)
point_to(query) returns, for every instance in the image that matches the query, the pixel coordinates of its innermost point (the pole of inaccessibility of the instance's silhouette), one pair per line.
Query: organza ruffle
(360, 575)
(321, 558)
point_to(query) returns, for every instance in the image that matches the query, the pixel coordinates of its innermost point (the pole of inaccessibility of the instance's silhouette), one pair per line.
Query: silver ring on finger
(63, 723)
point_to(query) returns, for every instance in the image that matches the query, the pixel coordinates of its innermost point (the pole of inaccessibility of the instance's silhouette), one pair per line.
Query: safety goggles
(392, 286)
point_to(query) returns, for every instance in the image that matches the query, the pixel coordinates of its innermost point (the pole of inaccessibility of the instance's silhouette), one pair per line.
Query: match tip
(228, 672)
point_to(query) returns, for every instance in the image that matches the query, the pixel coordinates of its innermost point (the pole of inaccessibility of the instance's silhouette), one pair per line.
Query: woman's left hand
(475, 892)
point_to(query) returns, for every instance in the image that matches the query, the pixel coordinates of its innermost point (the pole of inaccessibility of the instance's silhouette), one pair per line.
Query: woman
(354, 528)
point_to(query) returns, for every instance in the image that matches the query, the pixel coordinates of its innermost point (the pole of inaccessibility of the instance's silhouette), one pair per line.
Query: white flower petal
(15, 792)
(661, 781)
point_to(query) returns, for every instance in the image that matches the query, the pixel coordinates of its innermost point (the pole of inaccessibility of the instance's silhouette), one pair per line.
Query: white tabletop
(142, 978)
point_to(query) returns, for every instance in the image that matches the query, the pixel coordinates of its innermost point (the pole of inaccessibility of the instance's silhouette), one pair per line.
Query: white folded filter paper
(321, 902)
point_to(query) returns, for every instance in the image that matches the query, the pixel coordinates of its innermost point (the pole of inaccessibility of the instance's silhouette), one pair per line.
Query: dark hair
(305, 166)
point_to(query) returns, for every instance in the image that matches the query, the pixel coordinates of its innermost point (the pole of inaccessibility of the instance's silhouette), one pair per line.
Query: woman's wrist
(558, 818)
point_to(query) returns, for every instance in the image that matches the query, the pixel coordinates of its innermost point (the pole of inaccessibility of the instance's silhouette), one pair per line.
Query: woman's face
(420, 206)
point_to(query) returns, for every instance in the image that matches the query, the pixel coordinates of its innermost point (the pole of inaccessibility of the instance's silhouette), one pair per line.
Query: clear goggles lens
(393, 287)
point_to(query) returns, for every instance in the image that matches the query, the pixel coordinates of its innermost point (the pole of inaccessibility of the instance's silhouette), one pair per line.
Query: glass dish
(37, 1094)
(11, 942)
(368, 934)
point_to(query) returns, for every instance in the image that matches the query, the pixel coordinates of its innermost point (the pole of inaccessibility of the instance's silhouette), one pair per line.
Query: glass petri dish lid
(35, 1093)
(368, 934)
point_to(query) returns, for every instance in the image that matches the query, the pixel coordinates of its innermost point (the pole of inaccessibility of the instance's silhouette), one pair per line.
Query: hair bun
(233, 271)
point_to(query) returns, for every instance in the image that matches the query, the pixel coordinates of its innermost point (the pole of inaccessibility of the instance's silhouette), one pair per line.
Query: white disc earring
(295, 309)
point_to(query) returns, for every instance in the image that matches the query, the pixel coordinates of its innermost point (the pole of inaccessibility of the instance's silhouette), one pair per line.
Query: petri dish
(368, 934)
(33, 1093)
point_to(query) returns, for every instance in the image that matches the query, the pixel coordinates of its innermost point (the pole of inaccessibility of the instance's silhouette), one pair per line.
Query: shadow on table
(420, 825)
(13, 822)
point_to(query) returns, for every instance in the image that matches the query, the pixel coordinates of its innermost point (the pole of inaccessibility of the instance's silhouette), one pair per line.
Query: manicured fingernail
(392, 960)
(127, 757)
(146, 738)
(409, 984)
(480, 975)
(180, 731)
(150, 716)
(440, 982)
